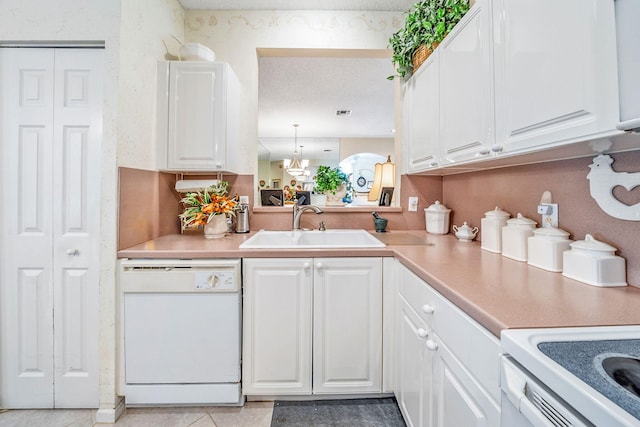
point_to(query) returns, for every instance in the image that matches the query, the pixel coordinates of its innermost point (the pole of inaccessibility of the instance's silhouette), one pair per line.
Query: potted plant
(426, 25)
(209, 209)
(332, 183)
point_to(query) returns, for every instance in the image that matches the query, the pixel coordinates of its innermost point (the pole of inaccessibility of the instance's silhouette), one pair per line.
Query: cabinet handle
(431, 345)
(422, 333)
(306, 266)
(427, 309)
(319, 265)
(484, 151)
(73, 252)
(496, 148)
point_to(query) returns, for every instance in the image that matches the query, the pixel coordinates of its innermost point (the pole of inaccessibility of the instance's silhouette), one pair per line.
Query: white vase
(216, 227)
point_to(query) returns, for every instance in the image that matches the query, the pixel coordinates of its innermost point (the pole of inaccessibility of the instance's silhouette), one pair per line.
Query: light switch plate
(413, 204)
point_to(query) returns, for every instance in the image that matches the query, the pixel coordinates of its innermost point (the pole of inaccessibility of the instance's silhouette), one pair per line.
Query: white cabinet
(197, 116)
(449, 366)
(448, 103)
(422, 117)
(324, 313)
(555, 71)
(466, 88)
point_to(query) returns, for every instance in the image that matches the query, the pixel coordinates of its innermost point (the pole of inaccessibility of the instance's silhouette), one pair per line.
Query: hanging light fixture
(296, 166)
(384, 175)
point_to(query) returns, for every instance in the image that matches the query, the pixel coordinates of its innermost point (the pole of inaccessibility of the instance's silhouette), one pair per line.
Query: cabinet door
(277, 310)
(422, 116)
(347, 347)
(196, 137)
(457, 399)
(466, 87)
(555, 66)
(413, 371)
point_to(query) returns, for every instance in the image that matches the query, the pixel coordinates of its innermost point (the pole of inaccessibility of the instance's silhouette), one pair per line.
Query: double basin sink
(314, 239)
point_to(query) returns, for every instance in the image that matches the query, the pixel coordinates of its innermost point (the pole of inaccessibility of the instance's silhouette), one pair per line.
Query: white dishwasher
(180, 331)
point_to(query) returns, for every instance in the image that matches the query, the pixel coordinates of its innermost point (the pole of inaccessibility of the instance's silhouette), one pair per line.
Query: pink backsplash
(149, 204)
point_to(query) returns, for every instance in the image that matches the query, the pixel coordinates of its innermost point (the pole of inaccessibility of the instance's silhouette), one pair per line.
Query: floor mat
(332, 413)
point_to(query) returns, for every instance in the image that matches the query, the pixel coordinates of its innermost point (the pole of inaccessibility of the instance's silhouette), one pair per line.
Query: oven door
(526, 402)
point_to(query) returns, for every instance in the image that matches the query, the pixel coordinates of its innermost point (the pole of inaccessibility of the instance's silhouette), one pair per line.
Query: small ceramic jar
(437, 218)
(491, 230)
(594, 263)
(464, 233)
(545, 248)
(515, 235)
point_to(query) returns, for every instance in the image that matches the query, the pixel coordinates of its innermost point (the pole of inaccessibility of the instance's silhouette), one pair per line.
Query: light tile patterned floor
(252, 414)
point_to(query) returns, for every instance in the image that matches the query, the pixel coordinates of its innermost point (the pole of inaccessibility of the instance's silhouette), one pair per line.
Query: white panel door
(422, 116)
(347, 325)
(51, 131)
(277, 314)
(466, 87)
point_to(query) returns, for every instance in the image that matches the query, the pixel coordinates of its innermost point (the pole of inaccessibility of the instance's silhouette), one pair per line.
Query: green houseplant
(427, 23)
(329, 180)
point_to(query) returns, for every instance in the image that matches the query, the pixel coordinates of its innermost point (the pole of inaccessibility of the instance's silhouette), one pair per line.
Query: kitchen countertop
(498, 292)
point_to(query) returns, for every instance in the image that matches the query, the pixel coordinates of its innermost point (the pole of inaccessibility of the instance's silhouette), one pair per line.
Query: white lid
(497, 213)
(551, 233)
(592, 245)
(521, 222)
(437, 207)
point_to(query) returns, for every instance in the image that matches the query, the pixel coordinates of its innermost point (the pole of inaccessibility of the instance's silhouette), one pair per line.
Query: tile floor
(252, 414)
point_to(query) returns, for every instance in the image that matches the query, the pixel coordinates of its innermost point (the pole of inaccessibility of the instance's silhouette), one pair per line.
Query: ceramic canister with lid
(437, 218)
(491, 229)
(594, 262)
(546, 247)
(515, 235)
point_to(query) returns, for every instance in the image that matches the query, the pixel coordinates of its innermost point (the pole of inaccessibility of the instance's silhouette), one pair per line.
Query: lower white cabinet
(448, 371)
(312, 326)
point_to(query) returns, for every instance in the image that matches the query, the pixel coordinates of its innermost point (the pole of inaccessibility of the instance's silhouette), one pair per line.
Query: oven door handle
(514, 385)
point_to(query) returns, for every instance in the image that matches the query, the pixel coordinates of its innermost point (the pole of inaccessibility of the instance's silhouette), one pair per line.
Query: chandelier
(296, 166)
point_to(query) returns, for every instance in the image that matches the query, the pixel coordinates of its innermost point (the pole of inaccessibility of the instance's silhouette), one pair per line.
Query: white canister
(437, 218)
(594, 262)
(546, 247)
(491, 229)
(515, 235)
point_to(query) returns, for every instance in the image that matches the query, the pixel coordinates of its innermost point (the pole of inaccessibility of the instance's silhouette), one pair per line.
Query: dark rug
(382, 412)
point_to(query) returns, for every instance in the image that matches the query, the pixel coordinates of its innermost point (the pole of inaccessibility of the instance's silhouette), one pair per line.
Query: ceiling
(381, 5)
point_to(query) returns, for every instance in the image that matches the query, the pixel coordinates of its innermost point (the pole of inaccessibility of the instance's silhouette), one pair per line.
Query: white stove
(571, 376)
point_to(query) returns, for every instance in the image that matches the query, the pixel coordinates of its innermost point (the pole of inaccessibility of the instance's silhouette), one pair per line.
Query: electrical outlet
(549, 212)
(413, 204)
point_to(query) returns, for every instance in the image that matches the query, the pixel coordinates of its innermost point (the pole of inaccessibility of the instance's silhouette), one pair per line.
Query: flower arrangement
(200, 207)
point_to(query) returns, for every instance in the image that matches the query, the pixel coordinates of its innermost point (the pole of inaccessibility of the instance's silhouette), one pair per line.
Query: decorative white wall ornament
(603, 179)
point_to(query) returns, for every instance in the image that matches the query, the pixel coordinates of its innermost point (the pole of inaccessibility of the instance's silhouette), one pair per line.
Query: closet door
(51, 116)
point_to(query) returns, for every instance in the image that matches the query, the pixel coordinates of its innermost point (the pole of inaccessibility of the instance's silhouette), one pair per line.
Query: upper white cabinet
(448, 102)
(312, 326)
(514, 77)
(555, 71)
(466, 87)
(197, 116)
(422, 116)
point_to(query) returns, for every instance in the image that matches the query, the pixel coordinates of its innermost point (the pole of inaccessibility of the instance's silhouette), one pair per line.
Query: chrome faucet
(299, 210)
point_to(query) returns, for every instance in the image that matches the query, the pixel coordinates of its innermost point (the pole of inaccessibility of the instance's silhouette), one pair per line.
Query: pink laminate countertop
(499, 293)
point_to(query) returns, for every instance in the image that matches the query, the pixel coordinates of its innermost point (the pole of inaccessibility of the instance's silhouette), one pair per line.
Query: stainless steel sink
(265, 239)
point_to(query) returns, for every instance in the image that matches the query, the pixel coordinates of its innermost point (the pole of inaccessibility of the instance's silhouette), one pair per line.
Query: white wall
(236, 35)
(145, 24)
